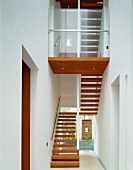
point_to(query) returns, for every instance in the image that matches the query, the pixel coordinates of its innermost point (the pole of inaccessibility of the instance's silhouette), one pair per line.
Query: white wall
(0, 87)
(130, 104)
(120, 64)
(69, 90)
(26, 22)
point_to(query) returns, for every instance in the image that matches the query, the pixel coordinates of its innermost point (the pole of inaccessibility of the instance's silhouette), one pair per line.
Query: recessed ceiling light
(62, 68)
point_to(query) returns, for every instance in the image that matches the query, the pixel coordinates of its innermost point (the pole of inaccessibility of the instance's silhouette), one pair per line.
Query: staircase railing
(56, 116)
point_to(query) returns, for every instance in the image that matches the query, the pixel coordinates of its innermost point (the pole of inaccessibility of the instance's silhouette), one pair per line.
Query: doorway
(86, 133)
(114, 119)
(25, 117)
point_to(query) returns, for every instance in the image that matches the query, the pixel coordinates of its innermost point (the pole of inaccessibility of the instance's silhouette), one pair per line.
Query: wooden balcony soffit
(88, 66)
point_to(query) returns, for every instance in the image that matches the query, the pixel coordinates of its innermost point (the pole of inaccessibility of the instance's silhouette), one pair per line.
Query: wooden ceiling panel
(89, 66)
(87, 4)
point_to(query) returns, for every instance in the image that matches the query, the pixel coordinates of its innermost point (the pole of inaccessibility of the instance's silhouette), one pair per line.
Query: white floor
(88, 161)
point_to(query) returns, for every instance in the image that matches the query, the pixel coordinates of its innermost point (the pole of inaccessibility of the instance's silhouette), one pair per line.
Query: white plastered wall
(0, 86)
(69, 90)
(26, 23)
(120, 65)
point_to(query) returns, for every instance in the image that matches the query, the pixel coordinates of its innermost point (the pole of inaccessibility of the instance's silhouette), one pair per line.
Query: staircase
(64, 152)
(90, 20)
(90, 93)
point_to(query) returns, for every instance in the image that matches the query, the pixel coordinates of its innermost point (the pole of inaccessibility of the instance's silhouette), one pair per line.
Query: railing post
(78, 109)
(79, 34)
(51, 33)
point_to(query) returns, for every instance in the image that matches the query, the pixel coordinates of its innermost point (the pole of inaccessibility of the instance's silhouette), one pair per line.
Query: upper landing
(69, 65)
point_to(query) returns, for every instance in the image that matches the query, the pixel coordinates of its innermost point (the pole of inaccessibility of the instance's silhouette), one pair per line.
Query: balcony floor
(71, 65)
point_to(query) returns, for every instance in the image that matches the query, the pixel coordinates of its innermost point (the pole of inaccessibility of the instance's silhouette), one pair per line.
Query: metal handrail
(56, 43)
(56, 116)
(76, 30)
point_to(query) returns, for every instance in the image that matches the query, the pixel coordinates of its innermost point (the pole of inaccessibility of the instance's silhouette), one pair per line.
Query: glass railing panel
(65, 43)
(77, 34)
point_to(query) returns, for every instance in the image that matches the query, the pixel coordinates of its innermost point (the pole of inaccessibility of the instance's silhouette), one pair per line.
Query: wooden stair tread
(68, 116)
(66, 123)
(89, 109)
(87, 113)
(65, 157)
(64, 145)
(90, 96)
(65, 127)
(63, 136)
(90, 91)
(65, 151)
(91, 86)
(88, 101)
(65, 140)
(67, 120)
(91, 5)
(64, 164)
(67, 113)
(91, 79)
(89, 105)
(67, 131)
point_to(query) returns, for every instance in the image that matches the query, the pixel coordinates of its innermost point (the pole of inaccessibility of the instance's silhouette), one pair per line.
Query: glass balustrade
(77, 33)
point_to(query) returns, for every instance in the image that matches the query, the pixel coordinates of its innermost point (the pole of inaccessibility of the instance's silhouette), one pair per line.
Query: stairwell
(64, 152)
